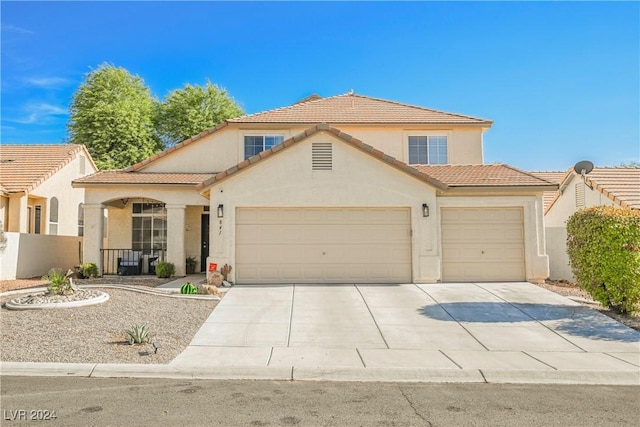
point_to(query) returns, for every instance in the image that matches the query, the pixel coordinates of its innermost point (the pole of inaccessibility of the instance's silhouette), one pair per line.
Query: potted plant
(191, 265)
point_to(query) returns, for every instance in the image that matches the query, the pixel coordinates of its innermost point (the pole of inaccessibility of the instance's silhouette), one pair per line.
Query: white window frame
(428, 135)
(161, 242)
(54, 215)
(263, 135)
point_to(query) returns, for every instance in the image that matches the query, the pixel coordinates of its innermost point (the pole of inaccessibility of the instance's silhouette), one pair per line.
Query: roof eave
(533, 189)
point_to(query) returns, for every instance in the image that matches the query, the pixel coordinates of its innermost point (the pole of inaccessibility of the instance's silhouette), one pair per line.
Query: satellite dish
(583, 167)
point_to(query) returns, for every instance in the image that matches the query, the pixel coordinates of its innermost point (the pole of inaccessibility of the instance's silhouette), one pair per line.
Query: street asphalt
(445, 332)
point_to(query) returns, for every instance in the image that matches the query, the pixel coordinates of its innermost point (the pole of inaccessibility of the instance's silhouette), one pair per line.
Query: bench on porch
(130, 263)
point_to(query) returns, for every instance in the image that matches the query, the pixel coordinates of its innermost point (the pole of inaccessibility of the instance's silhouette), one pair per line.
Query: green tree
(112, 114)
(187, 112)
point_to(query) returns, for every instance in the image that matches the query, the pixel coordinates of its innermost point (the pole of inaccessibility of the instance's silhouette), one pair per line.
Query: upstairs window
(255, 144)
(428, 150)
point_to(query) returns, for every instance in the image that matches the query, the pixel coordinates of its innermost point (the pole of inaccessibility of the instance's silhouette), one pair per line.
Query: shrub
(138, 334)
(603, 244)
(59, 283)
(89, 270)
(165, 269)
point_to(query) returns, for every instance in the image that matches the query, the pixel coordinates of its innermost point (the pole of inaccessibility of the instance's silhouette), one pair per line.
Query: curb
(291, 373)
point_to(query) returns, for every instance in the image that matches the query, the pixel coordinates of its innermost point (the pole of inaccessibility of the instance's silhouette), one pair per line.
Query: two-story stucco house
(41, 213)
(344, 189)
(603, 186)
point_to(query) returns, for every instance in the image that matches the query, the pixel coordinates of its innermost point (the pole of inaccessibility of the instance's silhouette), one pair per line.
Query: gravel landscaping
(96, 334)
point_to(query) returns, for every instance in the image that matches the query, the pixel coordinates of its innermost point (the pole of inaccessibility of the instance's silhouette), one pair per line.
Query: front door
(204, 239)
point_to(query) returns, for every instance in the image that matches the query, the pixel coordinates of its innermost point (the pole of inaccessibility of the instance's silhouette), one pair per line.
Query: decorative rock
(42, 300)
(208, 290)
(215, 278)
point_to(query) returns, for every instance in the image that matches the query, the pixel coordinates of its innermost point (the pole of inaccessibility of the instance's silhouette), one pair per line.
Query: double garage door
(320, 245)
(483, 244)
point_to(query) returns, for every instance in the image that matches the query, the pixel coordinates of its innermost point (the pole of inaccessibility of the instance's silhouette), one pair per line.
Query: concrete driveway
(510, 332)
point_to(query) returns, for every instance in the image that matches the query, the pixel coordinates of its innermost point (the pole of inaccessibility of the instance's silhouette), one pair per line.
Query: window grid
(255, 144)
(149, 228)
(428, 150)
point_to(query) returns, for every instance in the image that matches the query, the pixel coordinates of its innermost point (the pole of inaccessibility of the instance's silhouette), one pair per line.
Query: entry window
(53, 216)
(255, 144)
(149, 230)
(428, 150)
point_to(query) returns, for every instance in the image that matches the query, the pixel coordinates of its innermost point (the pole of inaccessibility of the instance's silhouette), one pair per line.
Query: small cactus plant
(138, 334)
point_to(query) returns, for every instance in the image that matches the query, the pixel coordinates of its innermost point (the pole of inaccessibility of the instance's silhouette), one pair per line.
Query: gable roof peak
(353, 108)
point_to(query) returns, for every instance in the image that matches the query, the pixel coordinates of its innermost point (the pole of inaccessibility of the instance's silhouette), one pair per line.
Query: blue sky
(560, 80)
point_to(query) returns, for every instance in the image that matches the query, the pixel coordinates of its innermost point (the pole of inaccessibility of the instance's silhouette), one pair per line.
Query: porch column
(176, 253)
(18, 213)
(93, 234)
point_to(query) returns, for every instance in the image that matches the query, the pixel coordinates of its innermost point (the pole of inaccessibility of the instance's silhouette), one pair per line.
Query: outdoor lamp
(425, 210)
(220, 211)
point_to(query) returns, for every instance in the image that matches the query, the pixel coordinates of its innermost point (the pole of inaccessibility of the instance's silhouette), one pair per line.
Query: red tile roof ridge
(352, 94)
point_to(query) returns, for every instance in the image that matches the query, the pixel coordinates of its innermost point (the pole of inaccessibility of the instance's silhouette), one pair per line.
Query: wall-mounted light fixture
(124, 202)
(220, 211)
(425, 210)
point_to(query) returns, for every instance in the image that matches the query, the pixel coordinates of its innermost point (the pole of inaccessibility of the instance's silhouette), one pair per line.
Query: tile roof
(619, 184)
(491, 175)
(125, 177)
(24, 167)
(442, 177)
(555, 177)
(353, 108)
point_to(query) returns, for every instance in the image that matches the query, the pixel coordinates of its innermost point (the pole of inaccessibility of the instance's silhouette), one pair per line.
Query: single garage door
(319, 245)
(483, 244)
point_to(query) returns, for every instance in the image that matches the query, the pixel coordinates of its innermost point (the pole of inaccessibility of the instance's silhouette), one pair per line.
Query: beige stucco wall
(59, 186)
(33, 255)
(225, 148)
(556, 225)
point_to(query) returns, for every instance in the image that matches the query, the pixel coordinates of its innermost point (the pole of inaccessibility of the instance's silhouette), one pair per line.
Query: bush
(603, 244)
(59, 283)
(165, 269)
(88, 270)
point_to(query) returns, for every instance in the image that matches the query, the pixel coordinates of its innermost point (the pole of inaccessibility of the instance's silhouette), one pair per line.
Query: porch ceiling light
(220, 211)
(425, 210)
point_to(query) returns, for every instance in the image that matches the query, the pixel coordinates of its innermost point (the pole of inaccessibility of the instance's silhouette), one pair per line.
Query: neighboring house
(603, 186)
(344, 189)
(37, 202)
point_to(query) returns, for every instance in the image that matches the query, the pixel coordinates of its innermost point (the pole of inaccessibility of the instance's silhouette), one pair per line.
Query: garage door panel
(316, 245)
(483, 244)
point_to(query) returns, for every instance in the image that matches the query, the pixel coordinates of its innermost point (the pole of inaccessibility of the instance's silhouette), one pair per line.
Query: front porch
(131, 235)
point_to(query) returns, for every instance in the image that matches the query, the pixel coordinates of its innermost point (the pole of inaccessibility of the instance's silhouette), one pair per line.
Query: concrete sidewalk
(490, 332)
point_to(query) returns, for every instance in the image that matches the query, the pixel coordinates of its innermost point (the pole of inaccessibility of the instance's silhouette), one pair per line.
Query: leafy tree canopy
(188, 111)
(112, 114)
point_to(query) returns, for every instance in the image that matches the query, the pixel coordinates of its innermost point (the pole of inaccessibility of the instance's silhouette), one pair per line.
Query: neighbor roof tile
(24, 167)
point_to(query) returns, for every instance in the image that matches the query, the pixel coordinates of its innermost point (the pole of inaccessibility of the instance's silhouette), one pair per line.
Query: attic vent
(580, 195)
(322, 156)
